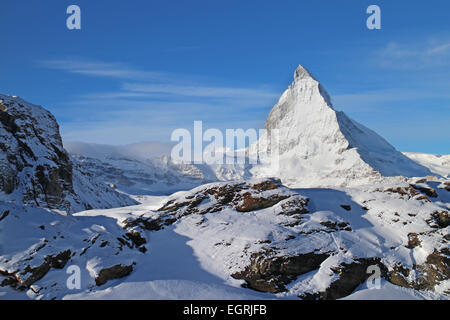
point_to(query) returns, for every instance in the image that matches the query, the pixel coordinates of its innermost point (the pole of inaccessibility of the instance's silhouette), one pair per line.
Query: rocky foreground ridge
(309, 243)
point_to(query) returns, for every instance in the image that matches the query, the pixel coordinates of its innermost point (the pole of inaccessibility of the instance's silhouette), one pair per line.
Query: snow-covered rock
(312, 243)
(38, 245)
(235, 237)
(36, 170)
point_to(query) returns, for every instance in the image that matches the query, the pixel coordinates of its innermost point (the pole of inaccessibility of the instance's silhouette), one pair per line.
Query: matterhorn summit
(319, 146)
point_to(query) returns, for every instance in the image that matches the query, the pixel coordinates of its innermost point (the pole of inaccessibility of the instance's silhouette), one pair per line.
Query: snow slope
(438, 164)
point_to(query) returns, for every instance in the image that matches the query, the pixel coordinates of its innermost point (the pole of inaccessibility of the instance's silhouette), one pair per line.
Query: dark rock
(4, 215)
(10, 279)
(136, 238)
(413, 240)
(144, 223)
(59, 260)
(267, 185)
(31, 275)
(295, 206)
(427, 190)
(350, 277)
(435, 269)
(408, 191)
(250, 203)
(243, 197)
(442, 218)
(271, 273)
(115, 272)
(447, 186)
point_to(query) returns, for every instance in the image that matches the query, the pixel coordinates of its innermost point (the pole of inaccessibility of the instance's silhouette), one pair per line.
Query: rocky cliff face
(34, 167)
(325, 147)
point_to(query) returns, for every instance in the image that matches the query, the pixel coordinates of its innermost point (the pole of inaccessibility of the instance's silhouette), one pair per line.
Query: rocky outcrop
(34, 167)
(98, 246)
(23, 279)
(270, 274)
(425, 276)
(115, 272)
(241, 196)
(442, 218)
(430, 192)
(350, 276)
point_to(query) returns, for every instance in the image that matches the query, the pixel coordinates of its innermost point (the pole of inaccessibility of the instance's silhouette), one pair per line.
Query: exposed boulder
(430, 192)
(349, 277)
(442, 218)
(115, 272)
(24, 278)
(271, 273)
(413, 240)
(446, 185)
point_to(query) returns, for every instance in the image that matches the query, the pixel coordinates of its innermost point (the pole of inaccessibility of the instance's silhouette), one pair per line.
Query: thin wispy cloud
(199, 91)
(103, 69)
(417, 55)
(154, 84)
(149, 105)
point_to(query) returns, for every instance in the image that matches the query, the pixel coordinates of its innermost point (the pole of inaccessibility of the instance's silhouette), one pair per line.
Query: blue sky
(139, 69)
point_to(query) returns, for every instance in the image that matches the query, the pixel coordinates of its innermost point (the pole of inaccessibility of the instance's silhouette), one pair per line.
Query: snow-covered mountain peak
(304, 97)
(302, 73)
(320, 146)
